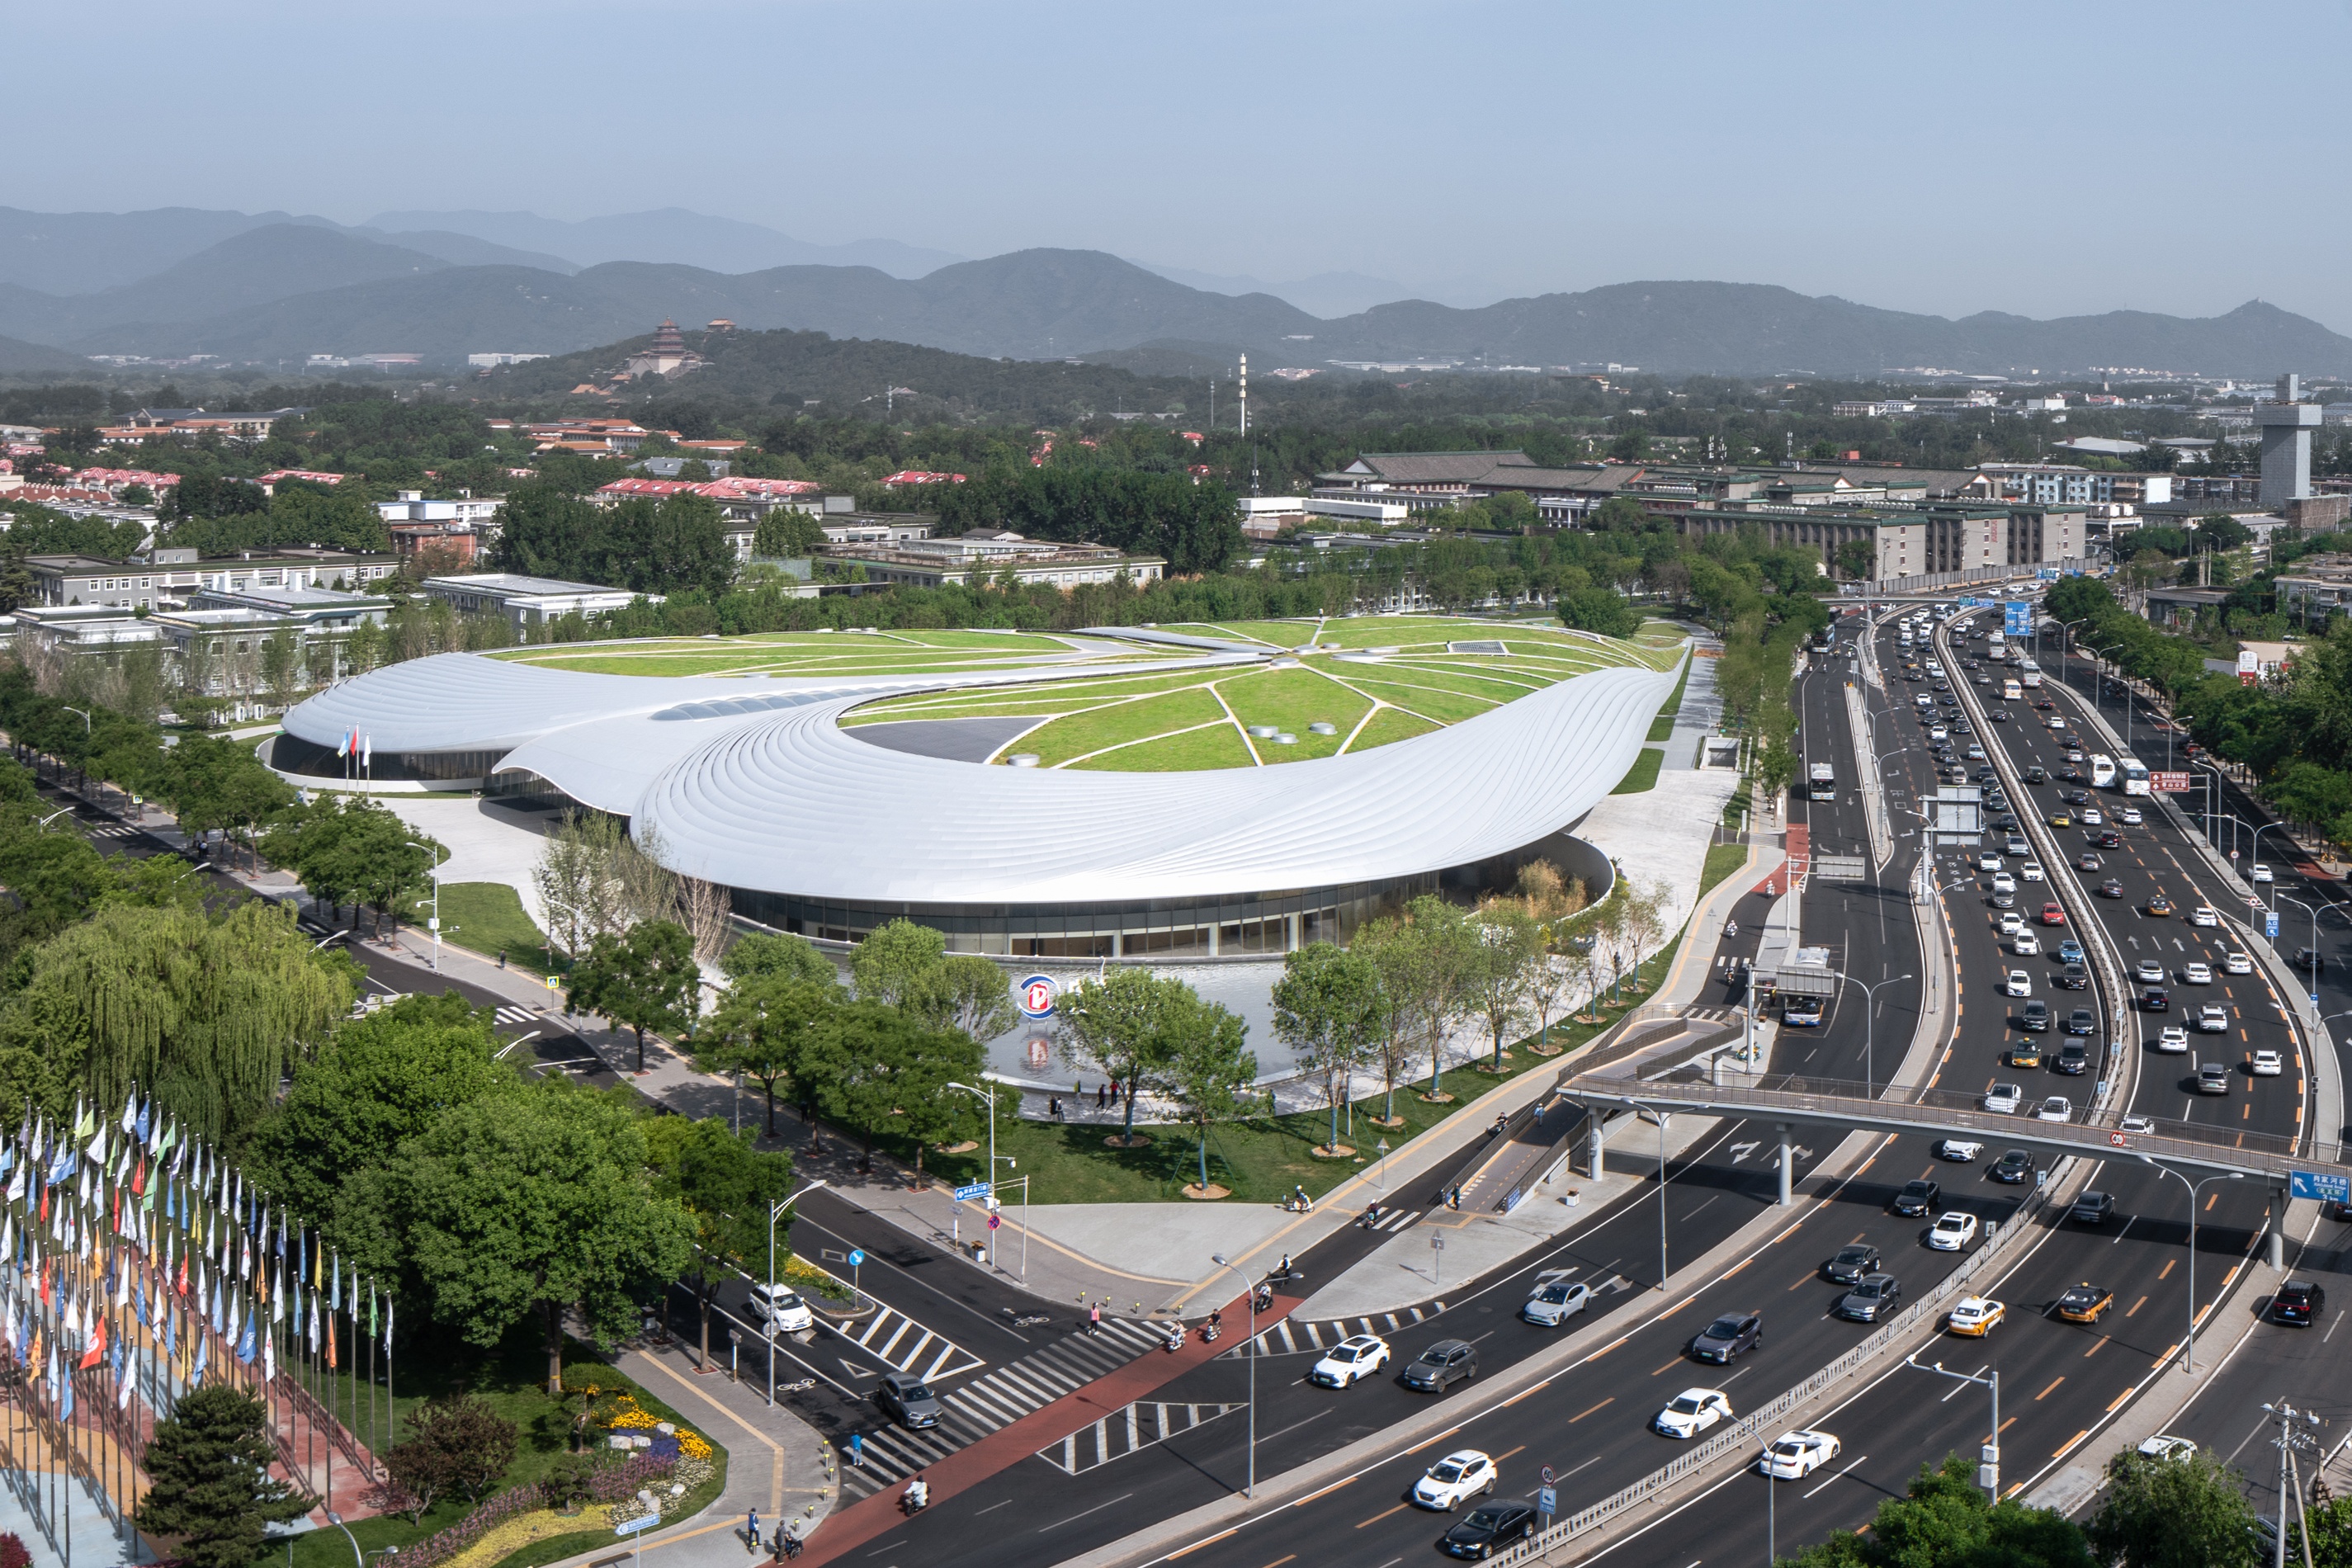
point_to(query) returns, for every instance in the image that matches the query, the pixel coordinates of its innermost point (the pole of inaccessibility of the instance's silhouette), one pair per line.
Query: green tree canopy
(209, 1484)
(1117, 1025)
(764, 1027)
(878, 1070)
(646, 979)
(1330, 1009)
(2185, 1513)
(726, 1184)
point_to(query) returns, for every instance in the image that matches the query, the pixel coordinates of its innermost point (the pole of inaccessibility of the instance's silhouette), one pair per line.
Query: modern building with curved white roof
(823, 829)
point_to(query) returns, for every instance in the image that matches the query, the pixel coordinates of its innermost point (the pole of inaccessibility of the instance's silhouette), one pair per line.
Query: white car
(2259, 872)
(2002, 882)
(1939, 732)
(2268, 1064)
(2196, 975)
(1798, 1455)
(2011, 922)
(2004, 1098)
(2148, 972)
(2030, 871)
(2163, 1446)
(2091, 816)
(2019, 984)
(2203, 915)
(781, 1311)
(1692, 1412)
(1974, 1316)
(1465, 1474)
(2212, 1019)
(2143, 1126)
(2171, 1041)
(2129, 817)
(1555, 1302)
(1988, 861)
(1952, 1232)
(2074, 755)
(2057, 724)
(2057, 1108)
(2025, 944)
(1961, 1149)
(2234, 962)
(1352, 1360)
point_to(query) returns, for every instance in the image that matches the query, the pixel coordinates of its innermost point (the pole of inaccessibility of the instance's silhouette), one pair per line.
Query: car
(2138, 1126)
(2025, 944)
(2084, 1303)
(1555, 1302)
(2057, 1108)
(2078, 796)
(2213, 1078)
(1851, 1263)
(2011, 924)
(2025, 1055)
(2035, 1016)
(2052, 915)
(1939, 732)
(2002, 882)
(2012, 1168)
(2111, 889)
(2037, 774)
(2086, 861)
(1976, 753)
(2074, 977)
(2044, 705)
(1998, 715)
(2196, 975)
(1953, 1232)
(2258, 872)
(1692, 1412)
(2074, 753)
(2160, 906)
(2212, 1019)
(2299, 1302)
(2070, 951)
(2093, 1207)
(1441, 1366)
(2203, 915)
(2004, 1098)
(2058, 726)
(1463, 1474)
(2309, 958)
(1989, 861)
(1727, 1337)
(1973, 1317)
(908, 1399)
(2019, 983)
(1873, 1297)
(1352, 1360)
(2155, 999)
(2080, 1021)
(2090, 817)
(2267, 1063)
(2109, 840)
(2236, 962)
(779, 1310)
(2164, 1445)
(1918, 1198)
(2073, 1057)
(2171, 1041)
(2130, 817)
(1489, 1525)
(2014, 846)
(2148, 972)
(1796, 1454)
(2062, 818)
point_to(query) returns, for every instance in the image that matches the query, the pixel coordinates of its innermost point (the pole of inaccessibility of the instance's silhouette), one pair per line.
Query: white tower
(2286, 426)
(1245, 395)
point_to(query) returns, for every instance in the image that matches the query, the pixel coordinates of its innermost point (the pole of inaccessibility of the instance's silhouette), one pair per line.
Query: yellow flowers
(692, 1447)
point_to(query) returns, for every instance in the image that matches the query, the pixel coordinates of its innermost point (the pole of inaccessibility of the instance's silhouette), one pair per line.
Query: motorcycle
(914, 1500)
(1209, 1332)
(1265, 1298)
(1175, 1340)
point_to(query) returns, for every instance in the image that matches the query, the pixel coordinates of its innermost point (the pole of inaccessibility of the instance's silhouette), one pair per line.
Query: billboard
(2250, 666)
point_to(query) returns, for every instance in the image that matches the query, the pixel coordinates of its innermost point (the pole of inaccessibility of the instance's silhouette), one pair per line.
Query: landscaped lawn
(1218, 746)
(1722, 860)
(489, 918)
(1643, 774)
(1082, 734)
(1661, 728)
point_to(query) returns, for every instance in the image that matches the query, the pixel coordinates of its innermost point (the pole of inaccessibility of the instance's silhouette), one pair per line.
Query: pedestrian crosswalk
(512, 1015)
(902, 1344)
(1397, 1221)
(1127, 1431)
(113, 830)
(890, 1454)
(1289, 1337)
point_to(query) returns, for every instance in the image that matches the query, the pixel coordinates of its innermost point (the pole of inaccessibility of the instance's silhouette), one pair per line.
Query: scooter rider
(916, 1495)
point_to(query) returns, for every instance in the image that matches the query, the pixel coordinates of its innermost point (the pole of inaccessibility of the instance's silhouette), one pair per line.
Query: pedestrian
(857, 1451)
(1093, 1319)
(752, 1531)
(1102, 1094)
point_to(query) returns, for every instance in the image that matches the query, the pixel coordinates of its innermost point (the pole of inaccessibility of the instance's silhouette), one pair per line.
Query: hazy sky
(2039, 158)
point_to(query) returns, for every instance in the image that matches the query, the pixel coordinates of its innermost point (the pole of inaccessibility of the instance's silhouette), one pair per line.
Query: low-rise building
(527, 601)
(2316, 588)
(165, 578)
(983, 555)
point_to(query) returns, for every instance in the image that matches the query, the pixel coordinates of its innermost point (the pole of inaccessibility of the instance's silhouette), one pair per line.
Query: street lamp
(1249, 1289)
(331, 936)
(2190, 1356)
(1771, 1504)
(775, 1209)
(51, 818)
(2312, 973)
(1989, 1471)
(436, 906)
(1661, 1118)
(357, 1556)
(990, 1098)
(1869, 1028)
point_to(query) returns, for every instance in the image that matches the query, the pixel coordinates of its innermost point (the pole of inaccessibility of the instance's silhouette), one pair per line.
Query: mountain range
(276, 288)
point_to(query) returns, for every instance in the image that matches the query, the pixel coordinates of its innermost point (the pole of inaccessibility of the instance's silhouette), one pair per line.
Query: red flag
(46, 1268)
(139, 1179)
(95, 1347)
(183, 1274)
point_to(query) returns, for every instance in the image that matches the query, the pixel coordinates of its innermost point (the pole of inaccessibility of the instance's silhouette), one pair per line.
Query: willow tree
(209, 1015)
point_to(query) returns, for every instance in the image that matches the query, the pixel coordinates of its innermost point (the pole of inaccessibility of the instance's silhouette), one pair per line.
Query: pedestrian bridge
(1947, 1113)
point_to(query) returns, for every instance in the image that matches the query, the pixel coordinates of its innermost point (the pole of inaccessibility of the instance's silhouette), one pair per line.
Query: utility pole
(2295, 1427)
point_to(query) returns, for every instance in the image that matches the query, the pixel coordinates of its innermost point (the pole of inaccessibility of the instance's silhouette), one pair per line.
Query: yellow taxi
(1973, 1317)
(2160, 905)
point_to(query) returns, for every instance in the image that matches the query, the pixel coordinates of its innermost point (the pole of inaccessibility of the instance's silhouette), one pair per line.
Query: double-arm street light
(437, 903)
(1869, 1027)
(774, 1211)
(989, 1096)
(2189, 1355)
(1249, 1289)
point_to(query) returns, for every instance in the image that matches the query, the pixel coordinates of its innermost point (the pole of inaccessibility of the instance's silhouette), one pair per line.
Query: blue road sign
(855, 1257)
(2017, 619)
(976, 1190)
(1547, 1499)
(2270, 924)
(643, 1522)
(2327, 1186)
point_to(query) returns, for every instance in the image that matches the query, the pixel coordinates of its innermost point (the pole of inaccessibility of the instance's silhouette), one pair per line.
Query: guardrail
(1743, 1433)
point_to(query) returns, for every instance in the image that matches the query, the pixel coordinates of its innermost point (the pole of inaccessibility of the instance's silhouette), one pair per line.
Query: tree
(1443, 954)
(1510, 944)
(1389, 943)
(2185, 1513)
(457, 1446)
(726, 1186)
(786, 533)
(1329, 1007)
(902, 964)
(877, 1069)
(1115, 1025)
(978, 998)
(2330, 1521)
(1944, 1522)
(646, 980)
(1858, 559)
(1207, 1066)
(1601, 610)
(526, 1205)
(793, 957)
(208, 1479)
(763, 1027)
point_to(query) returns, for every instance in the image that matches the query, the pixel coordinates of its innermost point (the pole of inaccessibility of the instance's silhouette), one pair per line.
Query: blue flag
(245, 1346)
(146, 1118)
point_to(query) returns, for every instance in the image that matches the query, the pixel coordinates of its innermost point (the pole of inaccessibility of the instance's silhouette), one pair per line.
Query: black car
(2074, 977)
(2014, 1167)
(1871, 1300)
(905, 1396)
(2310, 958)
(2155, 999)
(1490, 1524)
(2093, 1207)
(1441, 1366)
(1919, 1197)
(2111, 889)
(2037, 774)
(2073, 1058)
(2109, 838)
(2081, 1021)
(1850, 1264)
(2035, 1016)
(2000, 715)
(2078, 797)
(1727, 1336)
(2299, 1302)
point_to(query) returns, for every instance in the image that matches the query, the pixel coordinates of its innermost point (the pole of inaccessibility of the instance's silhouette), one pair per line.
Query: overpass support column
(1788, 1168)
(1595, 1155)
(2275, 1245)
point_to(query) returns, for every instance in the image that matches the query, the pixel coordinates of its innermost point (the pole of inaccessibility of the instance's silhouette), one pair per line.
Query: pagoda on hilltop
(667, 354)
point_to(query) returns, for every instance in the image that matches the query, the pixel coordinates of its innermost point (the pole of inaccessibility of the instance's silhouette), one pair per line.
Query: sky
(2035, 158)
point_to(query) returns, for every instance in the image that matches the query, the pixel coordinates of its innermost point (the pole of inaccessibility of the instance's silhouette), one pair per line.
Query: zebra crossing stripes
(512, 1015)
(902, 1344)
(1129, 1431)
(1289, 1337)
(115, 830)
(1399, 1220)
(988, 1404)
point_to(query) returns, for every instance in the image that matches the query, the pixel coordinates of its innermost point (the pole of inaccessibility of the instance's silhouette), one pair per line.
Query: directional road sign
(643, 1522)
(976, 1190)
(856, 1257)
(1547, 1500)
(2327, 1186)
(2167, 783)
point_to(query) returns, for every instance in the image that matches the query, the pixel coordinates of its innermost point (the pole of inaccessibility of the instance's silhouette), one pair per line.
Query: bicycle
(799, 1386)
